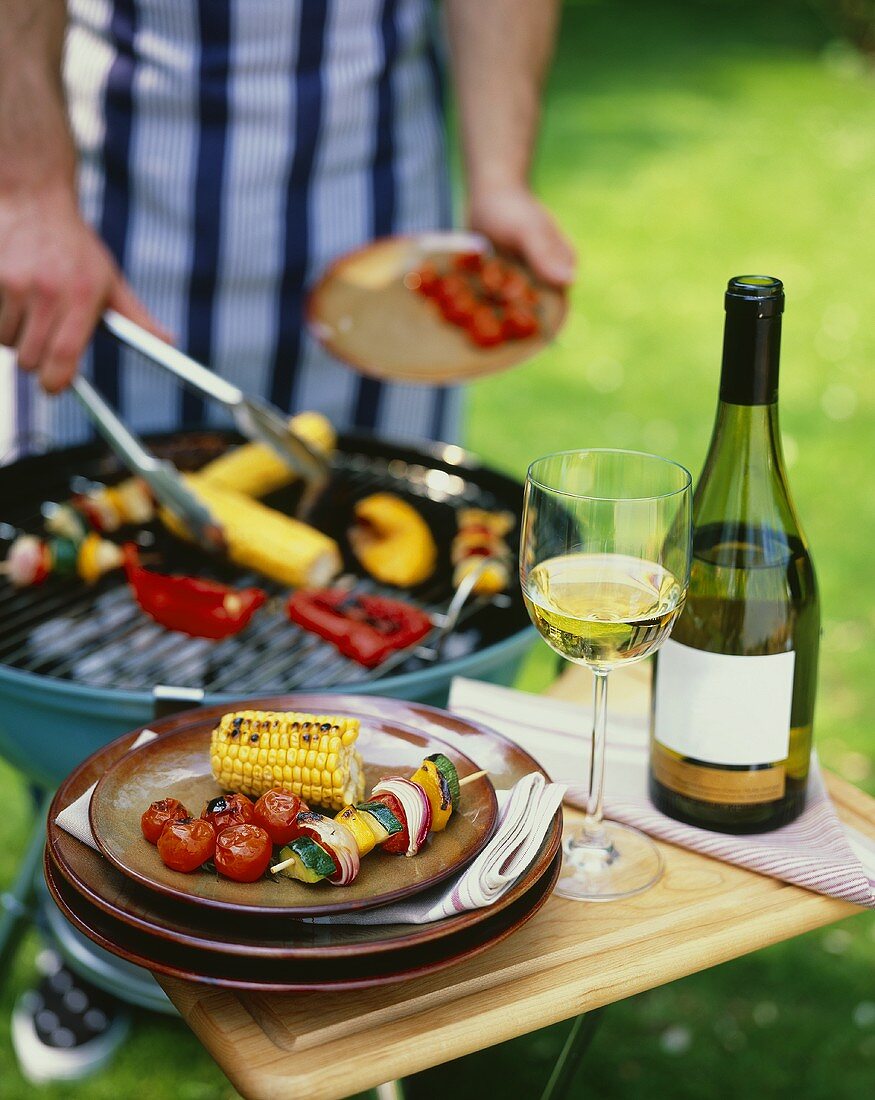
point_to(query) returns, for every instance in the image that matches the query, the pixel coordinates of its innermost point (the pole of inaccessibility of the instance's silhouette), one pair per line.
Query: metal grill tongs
(255, 419)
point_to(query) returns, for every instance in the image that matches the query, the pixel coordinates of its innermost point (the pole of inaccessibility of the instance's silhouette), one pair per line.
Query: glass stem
(592, 826)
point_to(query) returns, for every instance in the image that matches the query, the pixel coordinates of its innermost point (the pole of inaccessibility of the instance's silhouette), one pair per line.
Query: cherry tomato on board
(159, 813)
(275, 812)
(228, 810)
(519, 323)
(459, 308)
(243, 852)
(468, 261)
(185, 845)
(429, 280)
(485, 328)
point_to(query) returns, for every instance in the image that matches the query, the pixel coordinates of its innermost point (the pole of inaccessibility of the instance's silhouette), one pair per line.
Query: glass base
(624, 862)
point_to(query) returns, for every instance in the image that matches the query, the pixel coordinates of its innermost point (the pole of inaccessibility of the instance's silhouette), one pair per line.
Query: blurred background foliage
(684, 141)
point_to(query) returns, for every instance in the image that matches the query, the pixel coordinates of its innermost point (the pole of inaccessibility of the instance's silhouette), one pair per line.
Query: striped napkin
(816, 851)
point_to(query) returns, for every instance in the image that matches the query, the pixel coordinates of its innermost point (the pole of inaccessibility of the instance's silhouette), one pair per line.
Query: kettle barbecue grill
(78, 666)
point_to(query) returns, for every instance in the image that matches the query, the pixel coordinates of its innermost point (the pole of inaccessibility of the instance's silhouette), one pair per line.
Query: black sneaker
(65, 1028)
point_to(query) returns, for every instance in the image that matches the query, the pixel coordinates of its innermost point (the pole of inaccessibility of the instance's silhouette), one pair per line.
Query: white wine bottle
(734, 686)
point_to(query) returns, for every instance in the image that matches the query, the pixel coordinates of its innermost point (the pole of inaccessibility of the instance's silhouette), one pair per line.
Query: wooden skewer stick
(470, 778)
(279, 866)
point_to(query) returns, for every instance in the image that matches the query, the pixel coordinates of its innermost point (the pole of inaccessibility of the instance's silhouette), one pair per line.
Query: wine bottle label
(720, 708)
(717, 785)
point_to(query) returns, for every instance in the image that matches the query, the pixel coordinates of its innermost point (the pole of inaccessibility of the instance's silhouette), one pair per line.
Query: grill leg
(576, 1045)
(16, 903)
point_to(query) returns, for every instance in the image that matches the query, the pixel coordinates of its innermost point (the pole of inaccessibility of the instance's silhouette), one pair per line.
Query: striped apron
(228, 151)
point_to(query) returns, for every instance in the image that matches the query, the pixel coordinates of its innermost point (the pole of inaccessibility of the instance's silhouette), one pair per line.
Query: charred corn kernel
(240, 755)
(97, 556)
(263, 539)
(358, 826)
(256, 470)
(392, 540)
(436, 788)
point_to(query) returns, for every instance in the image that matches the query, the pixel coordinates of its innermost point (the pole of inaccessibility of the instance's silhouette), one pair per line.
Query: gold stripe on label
(739, 788)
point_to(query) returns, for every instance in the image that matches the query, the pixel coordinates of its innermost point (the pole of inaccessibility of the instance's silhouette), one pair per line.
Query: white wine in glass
(604, 569)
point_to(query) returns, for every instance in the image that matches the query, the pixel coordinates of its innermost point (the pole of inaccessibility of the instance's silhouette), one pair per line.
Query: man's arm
(56, 277)
(501, 52)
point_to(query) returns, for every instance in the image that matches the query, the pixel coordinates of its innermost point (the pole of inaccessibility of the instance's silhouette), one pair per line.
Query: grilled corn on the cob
(312, 755)
(263, 539)
(256, 470)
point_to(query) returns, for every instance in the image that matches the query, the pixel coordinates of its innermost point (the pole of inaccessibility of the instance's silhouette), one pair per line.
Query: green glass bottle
(734, 686)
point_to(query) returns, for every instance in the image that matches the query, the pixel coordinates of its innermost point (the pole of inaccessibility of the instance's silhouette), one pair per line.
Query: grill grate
(100, 638)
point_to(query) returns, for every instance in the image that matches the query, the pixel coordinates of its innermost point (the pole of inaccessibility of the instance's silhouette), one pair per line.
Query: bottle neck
(744, 478)
(751, 354)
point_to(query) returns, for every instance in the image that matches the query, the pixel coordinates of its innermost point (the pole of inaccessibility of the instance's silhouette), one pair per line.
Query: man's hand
(56, 278)
(515, 220)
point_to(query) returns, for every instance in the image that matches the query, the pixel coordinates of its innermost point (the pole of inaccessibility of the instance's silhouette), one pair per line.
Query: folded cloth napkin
(816, 851)
(73, 819)
(525, 815)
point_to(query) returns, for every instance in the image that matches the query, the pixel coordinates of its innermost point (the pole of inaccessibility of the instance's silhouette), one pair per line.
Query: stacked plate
(279, 934)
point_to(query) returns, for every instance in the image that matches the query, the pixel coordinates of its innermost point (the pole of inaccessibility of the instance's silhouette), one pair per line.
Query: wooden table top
(569, 958)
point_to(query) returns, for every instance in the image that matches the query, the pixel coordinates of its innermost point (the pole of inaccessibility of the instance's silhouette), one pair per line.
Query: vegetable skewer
(398, 818)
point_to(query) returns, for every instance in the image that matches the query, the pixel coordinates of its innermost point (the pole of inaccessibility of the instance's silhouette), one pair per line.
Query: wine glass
(604, 568)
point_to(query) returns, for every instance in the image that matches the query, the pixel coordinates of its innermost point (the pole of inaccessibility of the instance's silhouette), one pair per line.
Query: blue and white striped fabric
(229, 150)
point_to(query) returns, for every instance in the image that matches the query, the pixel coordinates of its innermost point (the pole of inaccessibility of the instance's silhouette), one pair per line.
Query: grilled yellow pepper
(392, 541)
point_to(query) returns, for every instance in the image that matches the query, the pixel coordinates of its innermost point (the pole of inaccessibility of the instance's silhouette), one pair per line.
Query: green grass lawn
(684, 142)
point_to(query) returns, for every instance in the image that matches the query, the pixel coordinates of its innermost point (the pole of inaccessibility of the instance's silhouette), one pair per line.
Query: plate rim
(292, 911)
(545, 884)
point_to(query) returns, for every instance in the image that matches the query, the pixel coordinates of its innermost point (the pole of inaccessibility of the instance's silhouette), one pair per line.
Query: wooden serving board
(569, 959)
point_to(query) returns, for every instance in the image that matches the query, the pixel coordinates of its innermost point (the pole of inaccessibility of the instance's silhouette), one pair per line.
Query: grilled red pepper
(364, 628)
(199, 608)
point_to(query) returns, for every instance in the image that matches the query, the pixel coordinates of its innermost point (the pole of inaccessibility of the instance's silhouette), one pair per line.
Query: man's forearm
(36, 147)
(501, 51)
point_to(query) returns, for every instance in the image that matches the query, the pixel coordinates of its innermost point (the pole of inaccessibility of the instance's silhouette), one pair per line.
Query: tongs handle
(185, 368)
(161, 476)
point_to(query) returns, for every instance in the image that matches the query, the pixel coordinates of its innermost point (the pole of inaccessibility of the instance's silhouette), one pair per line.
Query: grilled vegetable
(313, 756)
(415, 810)
(228, 810)
(360, 828)
(306, 861)
(365, 628)
(437, 789)
(263, 539)
(186, 844)
(242, 852)
(158, 814)
(337, 841)
(380, 820)
(481, 535)
(392, 541)
(256, 470)
(199, 608)
(448, 770)
(31, 560)
(277, 811)
(106, 508)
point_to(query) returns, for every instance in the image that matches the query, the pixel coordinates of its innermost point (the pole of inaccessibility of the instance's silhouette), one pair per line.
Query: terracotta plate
(118, 896)
(363, 313)
(293, 976)
(177, 765)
